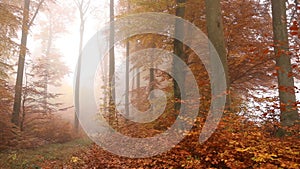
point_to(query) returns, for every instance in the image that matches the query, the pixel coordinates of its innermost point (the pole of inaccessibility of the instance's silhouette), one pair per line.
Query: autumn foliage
(249, 135)
(237, 143)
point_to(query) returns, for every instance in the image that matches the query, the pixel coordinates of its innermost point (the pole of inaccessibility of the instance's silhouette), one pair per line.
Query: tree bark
(18, 88)
(127, 79)
(127, 72)
(179, 51)
(112, 112)
(289, 114)
(151, 71)
(215, 32)
(138, 78)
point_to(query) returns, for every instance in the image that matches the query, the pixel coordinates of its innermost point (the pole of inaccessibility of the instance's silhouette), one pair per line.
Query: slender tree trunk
(179, 51)
(127, 80)
(151, 73)
(289, 114)
(22, 120)
(216, 36)
(138, 78)
(127, 74)
(112, 112)
(76, 121)
(23, 113)
(151, 80)
(48, 50)
(83, 8)
(133, 79)
(18, 88)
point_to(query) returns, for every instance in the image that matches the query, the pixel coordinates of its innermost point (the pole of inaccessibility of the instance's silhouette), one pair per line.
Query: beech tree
(127, 72)
(289, 114)
(50, 68)
(83, 7)
(215, 32)
(26, 23)
(45, 69)
(112, 113)
(179, 51)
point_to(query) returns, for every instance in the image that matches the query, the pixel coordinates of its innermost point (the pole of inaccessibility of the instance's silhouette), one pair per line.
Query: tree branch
(35, 13)
(87, 6)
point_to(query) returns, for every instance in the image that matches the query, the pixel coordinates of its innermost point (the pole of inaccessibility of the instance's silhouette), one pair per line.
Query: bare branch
(36, 12)
(78, 4)
(294, 11)
(87, 6)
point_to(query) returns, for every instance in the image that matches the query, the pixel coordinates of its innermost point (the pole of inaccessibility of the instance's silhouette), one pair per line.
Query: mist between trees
(257, 43)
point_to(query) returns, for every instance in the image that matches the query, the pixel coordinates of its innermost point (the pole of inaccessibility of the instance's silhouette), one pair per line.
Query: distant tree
(127, 73)
(34, 99)
(49, 67)
(83, 7)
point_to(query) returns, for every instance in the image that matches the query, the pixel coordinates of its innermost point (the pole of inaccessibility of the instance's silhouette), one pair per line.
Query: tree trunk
(215, 32)
(178, 51)
(138, 78)
(83, 8)
(127, 80)
(76, 121)
(112, 112)
(151, 72)
(22, 119)
(18, 88)
(127, 72)
(289, 114)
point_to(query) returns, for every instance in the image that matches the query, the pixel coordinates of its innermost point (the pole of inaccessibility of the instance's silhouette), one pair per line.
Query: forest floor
(81, 153)
(54, 155)
(227, 149)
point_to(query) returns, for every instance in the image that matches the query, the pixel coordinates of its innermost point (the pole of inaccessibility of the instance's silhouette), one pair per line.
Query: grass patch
(31, 158)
